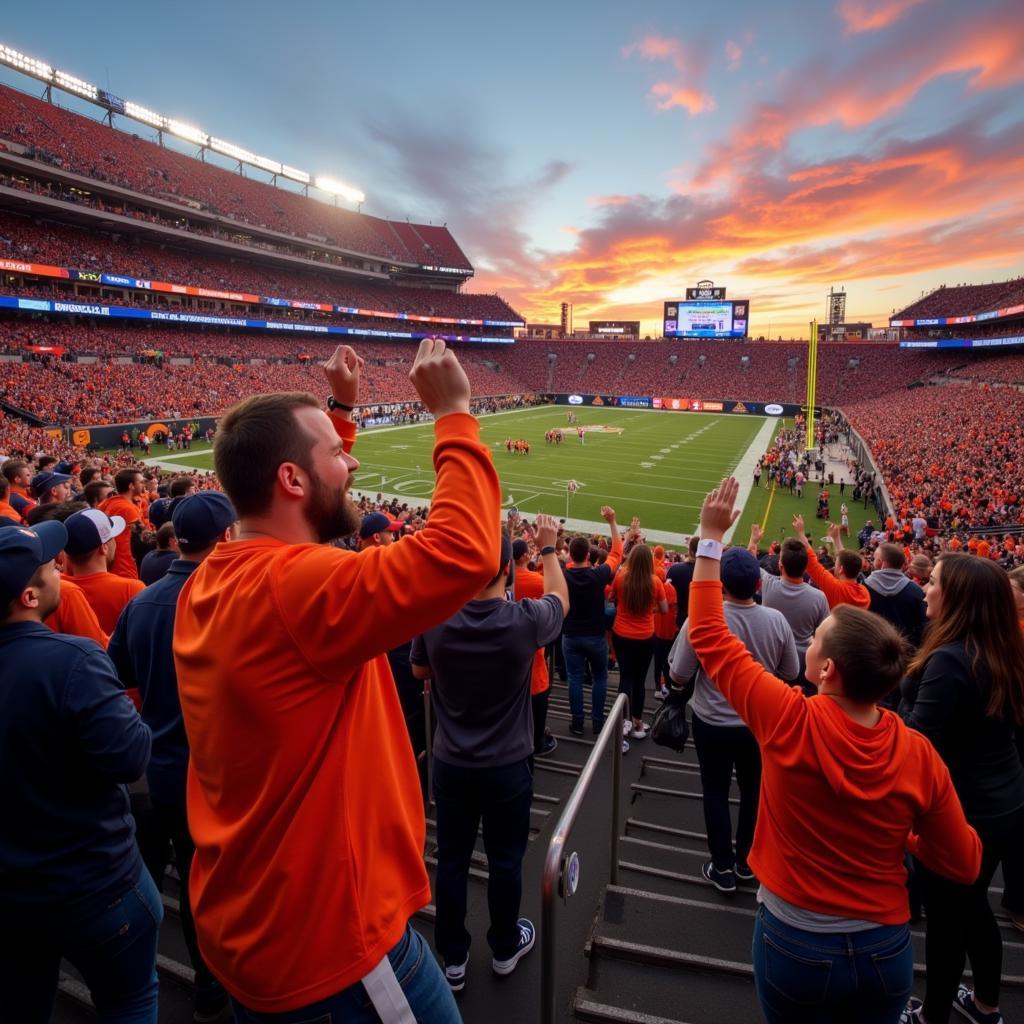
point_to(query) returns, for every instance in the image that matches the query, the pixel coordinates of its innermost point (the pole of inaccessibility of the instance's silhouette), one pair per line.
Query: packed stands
(76, 143)
(66, 246)
(964, 299)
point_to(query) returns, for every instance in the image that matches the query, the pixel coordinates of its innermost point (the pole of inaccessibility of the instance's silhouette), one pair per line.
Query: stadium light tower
(338, 188)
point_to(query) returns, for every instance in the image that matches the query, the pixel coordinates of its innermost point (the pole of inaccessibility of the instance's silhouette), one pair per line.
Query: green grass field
(655, 465)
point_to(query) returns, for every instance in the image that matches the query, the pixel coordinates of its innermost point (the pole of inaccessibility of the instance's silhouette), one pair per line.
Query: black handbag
(669, 727)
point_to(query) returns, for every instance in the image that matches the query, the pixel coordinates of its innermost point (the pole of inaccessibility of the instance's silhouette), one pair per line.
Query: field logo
(598, 400)
(774, 409)
(740, 407)
(575, 399)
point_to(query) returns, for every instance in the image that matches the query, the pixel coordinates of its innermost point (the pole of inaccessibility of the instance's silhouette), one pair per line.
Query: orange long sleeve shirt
(840, 802)
(303, 794)
(836, 591)
(75, 615)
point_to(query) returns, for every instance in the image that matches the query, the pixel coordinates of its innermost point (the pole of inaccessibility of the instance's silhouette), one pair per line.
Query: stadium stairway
(661, 946)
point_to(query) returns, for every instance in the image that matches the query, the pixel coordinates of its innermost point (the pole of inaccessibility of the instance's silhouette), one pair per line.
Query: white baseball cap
(89, 529)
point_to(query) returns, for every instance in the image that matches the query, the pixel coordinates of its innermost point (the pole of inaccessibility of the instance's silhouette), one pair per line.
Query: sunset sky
(612, 154)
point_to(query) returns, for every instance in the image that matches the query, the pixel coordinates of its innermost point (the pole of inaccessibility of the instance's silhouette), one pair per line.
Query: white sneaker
(625, 746)
(641, 733)
(627, 727)
(661, 693)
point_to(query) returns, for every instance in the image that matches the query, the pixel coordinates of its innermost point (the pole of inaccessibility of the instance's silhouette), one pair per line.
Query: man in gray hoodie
(894, 595)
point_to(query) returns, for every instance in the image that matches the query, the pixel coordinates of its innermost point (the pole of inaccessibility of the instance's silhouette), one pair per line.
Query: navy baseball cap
(89, 529)
(201, 518)
(160, 512)
(519, 548)
(378, 522)
(740, 573)
(64, 467)
(23, 549)
(43, 482)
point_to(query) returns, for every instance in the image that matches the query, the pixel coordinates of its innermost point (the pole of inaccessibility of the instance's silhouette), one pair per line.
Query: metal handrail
(554, 879)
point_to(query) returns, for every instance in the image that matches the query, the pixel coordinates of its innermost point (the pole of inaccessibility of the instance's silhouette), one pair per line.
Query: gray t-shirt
(482, 659)
(804, 607)
(767, 636)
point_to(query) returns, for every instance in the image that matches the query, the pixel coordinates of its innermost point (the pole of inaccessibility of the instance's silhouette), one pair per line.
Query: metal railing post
(552, 880)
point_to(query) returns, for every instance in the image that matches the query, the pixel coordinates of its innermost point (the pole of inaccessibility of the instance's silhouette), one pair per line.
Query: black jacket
(900, 600)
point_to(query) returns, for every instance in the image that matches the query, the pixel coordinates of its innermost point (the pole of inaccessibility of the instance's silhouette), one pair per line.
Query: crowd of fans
(869, 700)
(86, 249)
(72, 142)
(964, 300)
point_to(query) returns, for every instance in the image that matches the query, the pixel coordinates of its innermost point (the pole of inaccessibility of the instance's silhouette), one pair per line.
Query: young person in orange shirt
(303, 796)
(637, 594)
(528, 583)
(846, 790)
(124, 503)
(7, 510)
(842, 588)
(90, 550)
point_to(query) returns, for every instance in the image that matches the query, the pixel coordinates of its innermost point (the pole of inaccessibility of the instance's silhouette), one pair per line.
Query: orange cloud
(684, 89)
(871, 15)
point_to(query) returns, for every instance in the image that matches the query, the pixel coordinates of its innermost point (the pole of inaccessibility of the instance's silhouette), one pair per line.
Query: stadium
(153, 276)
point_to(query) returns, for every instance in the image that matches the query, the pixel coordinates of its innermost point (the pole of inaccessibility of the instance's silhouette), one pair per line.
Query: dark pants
(581, 652)
(634, 661)
(961, 924)
(168, 824)
(820, 978)
(113, 948)
(539, 704)
(720, 748)
(501, 797)
(661, 652)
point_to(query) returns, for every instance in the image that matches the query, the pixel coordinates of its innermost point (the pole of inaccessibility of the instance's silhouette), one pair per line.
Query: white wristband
(710, 549)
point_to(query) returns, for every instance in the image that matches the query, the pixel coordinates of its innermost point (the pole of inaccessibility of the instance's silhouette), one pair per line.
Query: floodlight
(187, 132)
(339, 188)
(22, 62)
(71, 84)
(267, 164)
(231, 150)
(145, 115)
(295, 174)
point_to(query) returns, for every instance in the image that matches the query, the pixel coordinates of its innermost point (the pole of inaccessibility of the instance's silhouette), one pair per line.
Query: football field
(655, 465)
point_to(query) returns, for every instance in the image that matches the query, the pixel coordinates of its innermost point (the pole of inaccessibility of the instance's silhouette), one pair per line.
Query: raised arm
(756, 533)
(615, 555)
(759, 698)
(822, 578)
(554, 578)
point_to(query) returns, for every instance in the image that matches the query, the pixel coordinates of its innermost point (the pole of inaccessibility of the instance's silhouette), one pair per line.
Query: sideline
(744, 471)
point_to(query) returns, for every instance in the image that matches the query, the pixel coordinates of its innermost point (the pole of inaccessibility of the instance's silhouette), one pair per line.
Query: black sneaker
(742, 871)
(576, 727)
(597, 727)
(548, 745)
(911, 1013)
(964, 1004)
(527, 937)
(455, 975)
(723, 881)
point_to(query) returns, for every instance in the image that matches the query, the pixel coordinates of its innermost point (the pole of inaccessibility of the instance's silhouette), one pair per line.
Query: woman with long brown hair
(965, 691)
(637, 593)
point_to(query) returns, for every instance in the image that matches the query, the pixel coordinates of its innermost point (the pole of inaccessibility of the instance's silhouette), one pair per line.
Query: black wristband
(333, 403)
(549, 550)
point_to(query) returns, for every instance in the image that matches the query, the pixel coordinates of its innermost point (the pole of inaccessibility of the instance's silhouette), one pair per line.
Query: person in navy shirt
(70, 740)
(141, 649)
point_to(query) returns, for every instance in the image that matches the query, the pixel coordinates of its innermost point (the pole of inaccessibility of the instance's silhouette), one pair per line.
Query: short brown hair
(12, 467)
(869, 653)
(92, 491)
(850, 563)
(124, 478)
(892, 556)
(793, 557)
(254, 437)
(579, 550)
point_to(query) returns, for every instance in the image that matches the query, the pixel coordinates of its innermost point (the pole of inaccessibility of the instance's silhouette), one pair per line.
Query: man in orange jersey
(92, 536)
(18, 474)
(49, 487)
(843, 587)
(128, 488)
(303, 796)
(7, 510)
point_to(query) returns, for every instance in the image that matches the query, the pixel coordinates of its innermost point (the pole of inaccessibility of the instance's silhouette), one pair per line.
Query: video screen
(706, 319)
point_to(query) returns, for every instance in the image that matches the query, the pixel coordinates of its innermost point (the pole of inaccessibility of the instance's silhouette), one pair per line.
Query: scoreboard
(707, 318)
(615, 328)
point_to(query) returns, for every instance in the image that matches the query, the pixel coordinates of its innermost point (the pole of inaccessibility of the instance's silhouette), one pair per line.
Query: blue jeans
(114, 949)
(815, 978)
(416, 970)
(501, 798)
(578, 650)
